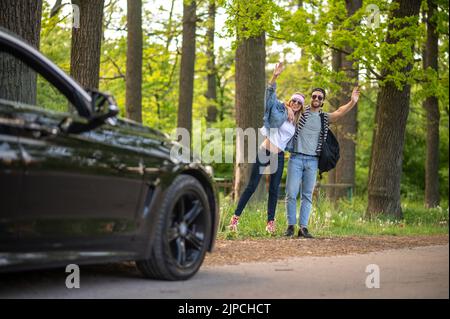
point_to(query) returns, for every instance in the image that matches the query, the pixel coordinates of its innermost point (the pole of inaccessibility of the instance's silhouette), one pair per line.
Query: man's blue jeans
(301, 177)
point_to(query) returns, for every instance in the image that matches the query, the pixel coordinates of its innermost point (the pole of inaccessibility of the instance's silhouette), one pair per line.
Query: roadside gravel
(232, 252)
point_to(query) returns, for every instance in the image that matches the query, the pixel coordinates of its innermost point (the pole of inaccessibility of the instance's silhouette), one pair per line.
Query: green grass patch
(344, 218)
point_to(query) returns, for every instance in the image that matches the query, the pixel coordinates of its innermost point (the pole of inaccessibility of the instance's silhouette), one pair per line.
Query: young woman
(278, 129)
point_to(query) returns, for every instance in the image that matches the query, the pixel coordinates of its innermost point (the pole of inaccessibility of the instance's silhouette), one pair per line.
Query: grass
(346, 218)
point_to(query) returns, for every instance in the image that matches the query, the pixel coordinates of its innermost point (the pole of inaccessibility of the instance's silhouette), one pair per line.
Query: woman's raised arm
(276, 73)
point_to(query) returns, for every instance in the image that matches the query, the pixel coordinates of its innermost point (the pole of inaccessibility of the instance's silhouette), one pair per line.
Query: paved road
(405, 273)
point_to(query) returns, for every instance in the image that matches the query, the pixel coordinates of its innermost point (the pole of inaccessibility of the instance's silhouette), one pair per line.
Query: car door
(78, 191)
(11, 171)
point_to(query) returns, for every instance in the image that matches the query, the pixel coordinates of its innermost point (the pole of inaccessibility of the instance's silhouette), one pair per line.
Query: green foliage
(55, 43)
(341, 219)
(246, 19)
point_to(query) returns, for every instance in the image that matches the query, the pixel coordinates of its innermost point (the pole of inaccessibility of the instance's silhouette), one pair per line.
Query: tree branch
(56, 8)
(121, 75)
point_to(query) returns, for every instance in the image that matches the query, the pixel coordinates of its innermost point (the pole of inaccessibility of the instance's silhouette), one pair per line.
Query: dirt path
(231, 252)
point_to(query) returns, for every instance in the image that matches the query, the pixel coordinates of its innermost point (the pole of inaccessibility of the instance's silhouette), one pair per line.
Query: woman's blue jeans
(301, 178)
(257, 172)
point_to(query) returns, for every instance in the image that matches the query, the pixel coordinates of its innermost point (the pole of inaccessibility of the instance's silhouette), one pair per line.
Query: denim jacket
(290, 145)
(275, 113)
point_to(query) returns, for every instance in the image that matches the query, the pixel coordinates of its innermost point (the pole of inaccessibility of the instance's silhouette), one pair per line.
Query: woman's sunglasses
(297, 101)
(318, 97)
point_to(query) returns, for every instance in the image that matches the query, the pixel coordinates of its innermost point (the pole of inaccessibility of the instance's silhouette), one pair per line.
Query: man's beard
(316, 106)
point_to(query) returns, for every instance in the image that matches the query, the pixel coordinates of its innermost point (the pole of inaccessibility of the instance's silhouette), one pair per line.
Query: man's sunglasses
(318, 97)
(297, 101)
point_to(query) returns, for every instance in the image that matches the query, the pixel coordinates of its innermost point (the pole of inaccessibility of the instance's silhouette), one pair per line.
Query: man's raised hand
(355, 94)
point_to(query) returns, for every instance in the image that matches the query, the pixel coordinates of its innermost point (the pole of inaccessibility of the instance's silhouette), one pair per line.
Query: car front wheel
(182, 233)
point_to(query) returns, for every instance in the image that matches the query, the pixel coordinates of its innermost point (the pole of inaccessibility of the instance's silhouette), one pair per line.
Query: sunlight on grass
(345, 218)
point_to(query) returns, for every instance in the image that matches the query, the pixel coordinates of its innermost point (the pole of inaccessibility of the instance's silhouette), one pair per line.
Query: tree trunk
(211, 93)
(250, 88)
(374, 134)
(187, 66)
(347, 126)
(86, 43)
(393, 109)
(336, 65)
(134, 61)
(431, 106)
(17, 81)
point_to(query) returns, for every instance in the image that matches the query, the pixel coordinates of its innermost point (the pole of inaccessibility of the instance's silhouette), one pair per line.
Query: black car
(84, 186)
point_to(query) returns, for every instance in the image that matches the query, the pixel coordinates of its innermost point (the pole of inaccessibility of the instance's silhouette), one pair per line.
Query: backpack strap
(323, 131)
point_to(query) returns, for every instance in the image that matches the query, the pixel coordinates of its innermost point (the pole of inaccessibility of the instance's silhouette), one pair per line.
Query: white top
(279, 136)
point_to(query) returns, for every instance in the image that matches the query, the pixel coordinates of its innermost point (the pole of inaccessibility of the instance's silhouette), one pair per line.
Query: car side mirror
(103, 107)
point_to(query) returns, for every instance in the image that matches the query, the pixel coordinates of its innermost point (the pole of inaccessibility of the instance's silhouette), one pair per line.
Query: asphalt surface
(421, 272)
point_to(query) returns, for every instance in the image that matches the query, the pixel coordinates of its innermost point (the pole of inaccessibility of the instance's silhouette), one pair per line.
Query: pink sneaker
(270, 227)
(234, 223)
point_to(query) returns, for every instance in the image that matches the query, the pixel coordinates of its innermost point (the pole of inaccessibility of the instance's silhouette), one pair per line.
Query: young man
(305, 149)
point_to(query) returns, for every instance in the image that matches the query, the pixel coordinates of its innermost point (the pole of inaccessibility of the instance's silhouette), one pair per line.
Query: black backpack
(329, 155)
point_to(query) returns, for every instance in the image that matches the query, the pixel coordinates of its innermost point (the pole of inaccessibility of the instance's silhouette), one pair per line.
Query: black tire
(184, 225)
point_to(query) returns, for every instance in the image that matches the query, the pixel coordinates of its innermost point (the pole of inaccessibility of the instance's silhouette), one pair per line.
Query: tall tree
(346, 128)
(430, 60)
(186, 90)
(393, 108)
(249, 21)
(336, 66)
(86, 43)
(134, 61)
(211, 93)
(24, 19)
(250, 86)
